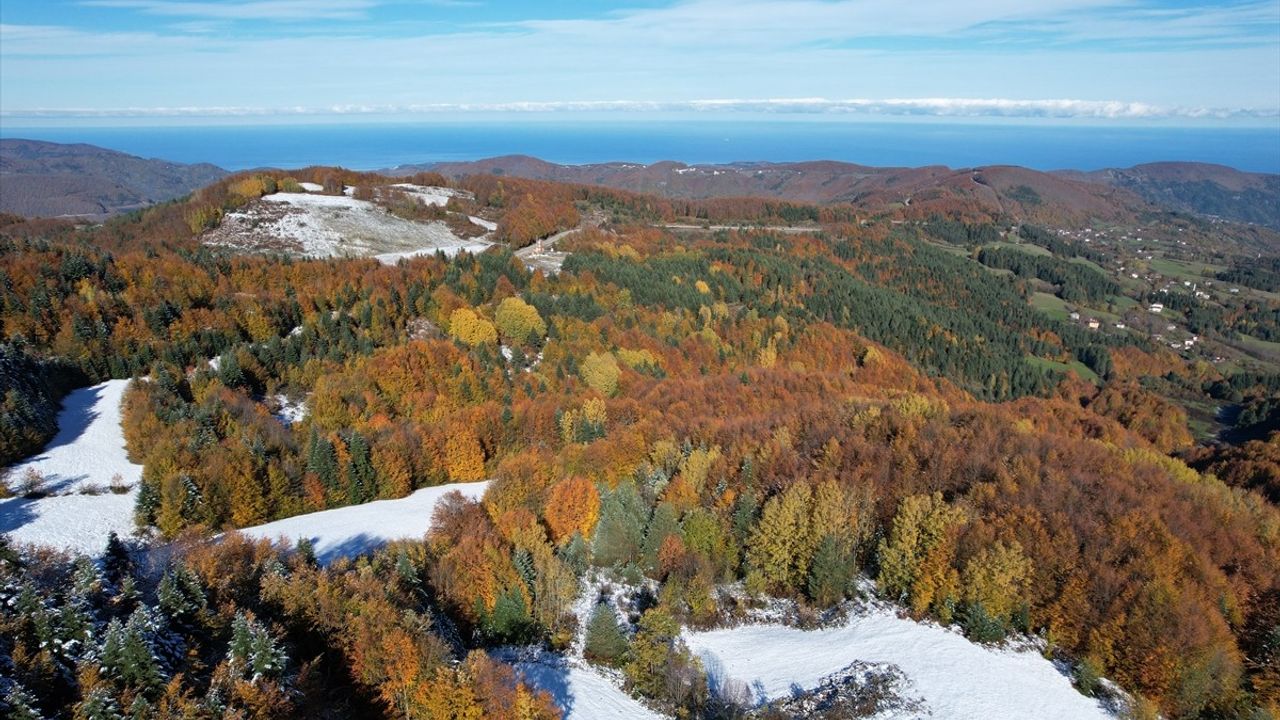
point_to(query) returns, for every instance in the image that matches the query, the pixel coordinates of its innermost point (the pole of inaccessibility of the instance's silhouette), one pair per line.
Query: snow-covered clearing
(476, 246)
(86, 455)
(431, 194)
(955, 678)
(333, 226)
(311, 187)
(359, 529)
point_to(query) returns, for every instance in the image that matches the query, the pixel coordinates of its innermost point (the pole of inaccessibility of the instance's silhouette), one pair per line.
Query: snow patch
(311, 187)
(289, 411)
(333, 226)
(86, 455)
(955, 678)
(360, 529)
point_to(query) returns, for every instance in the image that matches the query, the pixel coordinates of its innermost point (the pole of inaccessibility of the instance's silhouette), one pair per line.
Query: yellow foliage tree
(600, 371)
(469, 328)
(464, 459)
(518, 321)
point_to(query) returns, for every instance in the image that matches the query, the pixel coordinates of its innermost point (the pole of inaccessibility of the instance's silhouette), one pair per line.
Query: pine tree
(253, 653)
(116, 563)
(360, 474)
(97, 705)
(831, 573)
(621, 528)
(664, 523)
(20, 704)
(605, 641)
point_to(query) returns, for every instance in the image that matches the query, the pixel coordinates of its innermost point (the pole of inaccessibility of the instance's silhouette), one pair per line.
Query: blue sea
(375, 145)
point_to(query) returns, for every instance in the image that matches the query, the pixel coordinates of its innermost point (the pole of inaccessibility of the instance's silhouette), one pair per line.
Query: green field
(1051, 305)
(1075, 366)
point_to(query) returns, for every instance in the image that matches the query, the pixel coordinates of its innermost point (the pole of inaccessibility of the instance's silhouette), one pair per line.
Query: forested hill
(715, 401)
(44, 179)
(1019, 192)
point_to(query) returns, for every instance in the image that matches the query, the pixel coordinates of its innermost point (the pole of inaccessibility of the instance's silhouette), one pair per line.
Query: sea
(380, 145)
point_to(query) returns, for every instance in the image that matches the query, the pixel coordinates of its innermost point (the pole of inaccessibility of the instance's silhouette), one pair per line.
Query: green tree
(831, 574)
(605, 641)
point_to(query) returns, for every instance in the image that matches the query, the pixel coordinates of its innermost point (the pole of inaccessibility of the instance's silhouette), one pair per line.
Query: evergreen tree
(510, 620)
(19, 704)
(620, 529)
(97, 705)
(116, 563)
(254, 654)
(664, 522)
(831, 573)
(361, 478)
(605, 641)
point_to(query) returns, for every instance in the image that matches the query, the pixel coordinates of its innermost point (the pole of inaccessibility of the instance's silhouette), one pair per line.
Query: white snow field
(359, 529)
(333, 226)
(85, 455)
(955, 678)
(582, 692)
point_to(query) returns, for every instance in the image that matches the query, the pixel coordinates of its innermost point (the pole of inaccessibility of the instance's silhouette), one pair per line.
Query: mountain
(1019, 192)
(44, 179)
(1199, 188)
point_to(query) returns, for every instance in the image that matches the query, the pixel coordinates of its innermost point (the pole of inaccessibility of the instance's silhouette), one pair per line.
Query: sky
(168, 61)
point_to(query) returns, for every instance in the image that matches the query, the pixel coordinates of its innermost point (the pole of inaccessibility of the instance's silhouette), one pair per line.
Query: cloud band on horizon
(920, 107)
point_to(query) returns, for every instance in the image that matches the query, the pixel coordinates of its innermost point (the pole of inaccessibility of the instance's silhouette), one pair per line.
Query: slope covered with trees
(782, 412)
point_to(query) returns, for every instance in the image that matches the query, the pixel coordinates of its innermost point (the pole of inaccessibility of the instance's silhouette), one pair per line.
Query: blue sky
(1167, 61)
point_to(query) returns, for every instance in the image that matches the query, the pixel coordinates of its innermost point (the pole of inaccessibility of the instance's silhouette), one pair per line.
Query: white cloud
(926, 107)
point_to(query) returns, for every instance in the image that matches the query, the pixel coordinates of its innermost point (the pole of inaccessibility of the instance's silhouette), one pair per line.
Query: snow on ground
(289, 411)
(474, 247)
(955, 678)
(430, 194)
(311, 187)
(333, 226)
(359, 529)
(581, 691)
(86, 454)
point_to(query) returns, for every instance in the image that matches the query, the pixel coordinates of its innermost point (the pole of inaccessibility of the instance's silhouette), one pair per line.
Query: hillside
(1199, 188)
(44, 179)
(717, 414)
(1021, 193)
(1018, 192)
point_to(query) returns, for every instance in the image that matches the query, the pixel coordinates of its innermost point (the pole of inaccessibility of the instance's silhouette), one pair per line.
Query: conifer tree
(605, 641)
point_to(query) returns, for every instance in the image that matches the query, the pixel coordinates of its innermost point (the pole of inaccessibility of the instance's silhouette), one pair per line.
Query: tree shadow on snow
(350, 547)
(15, 513)
(76, 416)
(550, 672)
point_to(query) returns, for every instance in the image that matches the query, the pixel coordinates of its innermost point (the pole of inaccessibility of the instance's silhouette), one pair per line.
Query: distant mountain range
(44, 179)
(49, 180)
(1187, 187)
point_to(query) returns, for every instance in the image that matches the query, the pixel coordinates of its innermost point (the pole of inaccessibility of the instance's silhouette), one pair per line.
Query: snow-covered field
(334, 226)
(359, 529)
(955, 678)
(85, 455)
